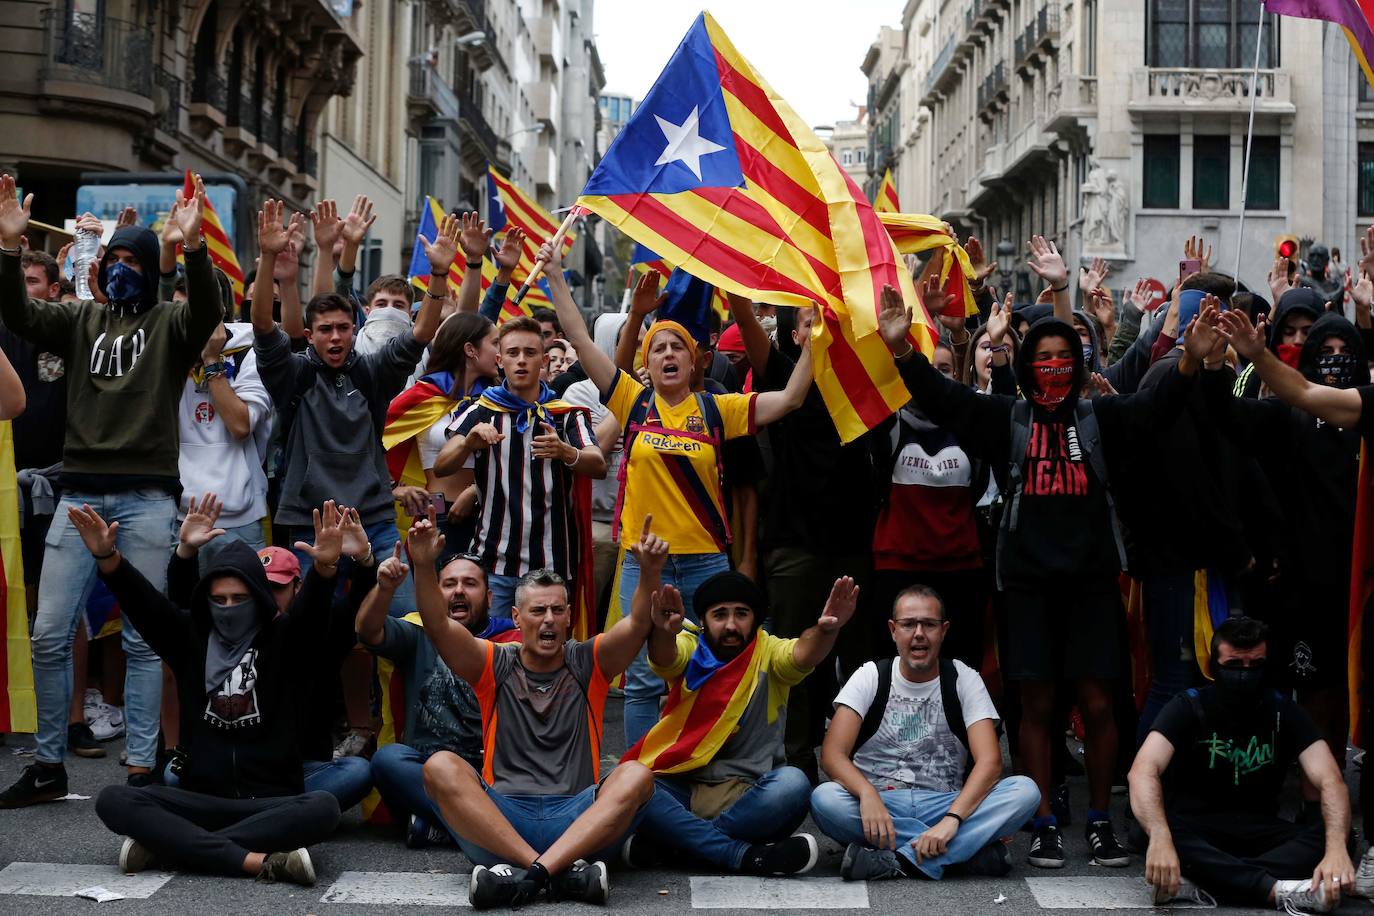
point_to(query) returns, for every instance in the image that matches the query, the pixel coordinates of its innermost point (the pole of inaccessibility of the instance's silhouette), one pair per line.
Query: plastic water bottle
(84, 249)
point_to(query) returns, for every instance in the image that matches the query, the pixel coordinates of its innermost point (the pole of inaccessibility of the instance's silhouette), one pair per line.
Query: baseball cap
(280, 564)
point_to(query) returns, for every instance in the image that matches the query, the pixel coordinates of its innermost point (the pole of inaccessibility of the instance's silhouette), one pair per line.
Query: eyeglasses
(909, 624)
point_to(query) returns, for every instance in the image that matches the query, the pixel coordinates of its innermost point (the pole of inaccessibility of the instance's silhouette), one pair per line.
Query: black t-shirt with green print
(1231, 761)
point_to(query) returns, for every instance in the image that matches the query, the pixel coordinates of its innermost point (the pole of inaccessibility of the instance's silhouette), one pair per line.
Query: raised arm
(370, 623)
(772, 406)
(355, 227)
(272, 240)
(622, 642)
(465, 654)
(598, 365)
(817, 641)
(1046, 261)
(507, 259)
(475, 239)
(441, 252)
(1339, 406)
(757, 346)
(47, 324)
(1146, 781)
(287, 276)
(644, 300)
(325, 219)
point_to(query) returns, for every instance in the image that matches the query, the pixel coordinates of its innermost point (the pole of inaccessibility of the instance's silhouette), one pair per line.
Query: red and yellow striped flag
(509, 206)
(916, 232)
(220, 246)
(1361, 590)
(718, 175)
(885, 201)
(17, 710)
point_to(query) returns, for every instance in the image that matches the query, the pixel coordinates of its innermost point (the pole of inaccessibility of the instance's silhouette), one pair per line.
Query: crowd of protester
(1136, 522)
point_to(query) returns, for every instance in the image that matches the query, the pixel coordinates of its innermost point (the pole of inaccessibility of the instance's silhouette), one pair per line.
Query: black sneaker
(992, 861)
(1105, 849)
(140, 780)
(81, 742)
(1059, 805)
(500, 885)
(641, 851)
(294, 866)
(1047, 848)
(864, 863)
(420, 834)
(37, 783)
(584, 882)
(795, 855)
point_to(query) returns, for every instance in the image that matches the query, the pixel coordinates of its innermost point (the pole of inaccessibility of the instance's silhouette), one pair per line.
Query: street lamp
(470, 39)
(1006, 262)
(538, 129)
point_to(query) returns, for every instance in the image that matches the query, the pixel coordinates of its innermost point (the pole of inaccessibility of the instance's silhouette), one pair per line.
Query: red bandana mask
(1290, 353)
(1053, 381)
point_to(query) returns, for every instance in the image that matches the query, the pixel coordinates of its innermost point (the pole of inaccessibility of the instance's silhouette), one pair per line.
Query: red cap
(280, 564)
(731, 340)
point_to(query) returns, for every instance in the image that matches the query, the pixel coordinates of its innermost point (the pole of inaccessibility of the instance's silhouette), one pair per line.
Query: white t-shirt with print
(913, 747)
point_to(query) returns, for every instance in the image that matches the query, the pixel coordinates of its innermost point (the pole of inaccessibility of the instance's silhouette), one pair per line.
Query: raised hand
(1098, 382)
(1278, 277)
(1046, 261)
(328, 536)
(288, 264)
(982, 269)
(93, 281)
(443, 249)
(508, 258)
(1248, 339)
(937, 302)
(475, 237)
(999, 321)
(424, 542)
(198, 528)
(839, 607)
(359, 220)
(1101, 307)
(98, 537)
(325, 219)
(355, 543)
(667, 612)
(1361, 293)
(272, 235)
(14, 217)
(1366, 265)
(127, 217)
(1139, 295)
(190, 213)
(645, 298)
(1090, 278)
(482, 436)
(1201, 337)
(171, 232)
(650, 551)
(392, 572)
(894, 320)
(1193, 251)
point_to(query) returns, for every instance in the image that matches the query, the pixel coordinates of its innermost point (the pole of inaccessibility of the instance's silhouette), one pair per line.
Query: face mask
(1238, 687)
(1337, 369)
(1289, 353)
(1087, 355)
(233, 622)
(123, 284)
(1053, 381)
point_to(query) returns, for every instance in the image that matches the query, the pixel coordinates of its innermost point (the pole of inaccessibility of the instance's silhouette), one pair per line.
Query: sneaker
(294, 866)
(134, 857)
(108, 722)
(1364, 877)
(37, 783)
(500, 885)
(795, 855)
(352, 745)
(420, 833)
(641, 851)
(1047, 848)
(81, 742)
(992, 861)
(1105, 849)
(1297, 897)
(864, 863)
(583, 881)
(1189, 893)
(140, 780)
(1059, 805)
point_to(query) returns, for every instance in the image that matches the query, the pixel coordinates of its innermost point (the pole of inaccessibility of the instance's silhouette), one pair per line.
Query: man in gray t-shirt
(534, 818)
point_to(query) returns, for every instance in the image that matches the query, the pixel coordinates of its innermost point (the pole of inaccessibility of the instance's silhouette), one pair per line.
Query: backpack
(1089, 440)
(949, 699)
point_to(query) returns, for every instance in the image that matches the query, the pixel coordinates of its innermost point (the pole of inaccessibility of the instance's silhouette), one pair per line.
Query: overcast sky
(808, 50)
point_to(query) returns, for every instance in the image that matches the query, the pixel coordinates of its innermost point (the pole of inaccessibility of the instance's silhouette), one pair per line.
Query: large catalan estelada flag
(431, 215)
(913, 233)
(885, 201)
(220, 246)
(719, 176)
(643, 260)
(18, 713)
(508, 206)
(1355, 17)
(1361, 590)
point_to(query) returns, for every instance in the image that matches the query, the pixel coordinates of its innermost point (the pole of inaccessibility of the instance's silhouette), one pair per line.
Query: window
(862, 154)
(846, 157)
(1211, 173)
(1161, 172)
(1366, 180)
(1208, 33)
(1090, 38)
(1263, 193)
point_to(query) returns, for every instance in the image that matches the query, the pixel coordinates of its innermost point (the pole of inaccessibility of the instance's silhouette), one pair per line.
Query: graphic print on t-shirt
(235, 703)
(1054, 462)
(914, 747)
(1241, 756)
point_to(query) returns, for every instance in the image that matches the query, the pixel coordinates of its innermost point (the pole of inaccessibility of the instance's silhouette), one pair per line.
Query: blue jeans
(686, 571)
(541, 820)
(348, 779)
(383, 536)
(251, 534)
(147, 522)
(1009, 805)
(768, 811)
(502, 594)
(398, 771)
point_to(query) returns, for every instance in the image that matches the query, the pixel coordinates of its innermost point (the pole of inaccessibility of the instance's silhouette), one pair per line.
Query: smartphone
(1188, 267)
(439, 503)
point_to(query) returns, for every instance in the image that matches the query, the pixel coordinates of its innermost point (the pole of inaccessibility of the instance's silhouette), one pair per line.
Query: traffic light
(1286, 246)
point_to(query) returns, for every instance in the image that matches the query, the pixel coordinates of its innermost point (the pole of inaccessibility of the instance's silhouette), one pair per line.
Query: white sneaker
(352, 745)
(108, 723)
(1297, 898)
(1364, 877)
(1188, 893)
(92, 699)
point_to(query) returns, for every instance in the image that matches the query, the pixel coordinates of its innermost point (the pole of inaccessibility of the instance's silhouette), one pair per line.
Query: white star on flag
(685, 143)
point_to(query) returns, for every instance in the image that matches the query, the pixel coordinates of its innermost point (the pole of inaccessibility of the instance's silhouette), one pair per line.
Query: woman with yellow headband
(671, 470)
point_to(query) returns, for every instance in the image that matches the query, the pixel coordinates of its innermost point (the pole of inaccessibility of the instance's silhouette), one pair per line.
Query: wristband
(106, 556)
(16, 251)
(1000, 348)
(955, 816)
(474, 265)
(365, 557)
(577, 456)
(433, 295)
(1060, 289)
(909, 350)
(213, 369)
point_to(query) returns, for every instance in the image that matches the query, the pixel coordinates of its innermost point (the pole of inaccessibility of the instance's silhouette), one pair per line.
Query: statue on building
(1106, 209)
(1320, 276)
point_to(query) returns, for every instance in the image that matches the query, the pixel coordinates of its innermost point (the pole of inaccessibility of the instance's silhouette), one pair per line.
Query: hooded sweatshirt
(1300, 301)
(1064, 532)
(242, 739)
(126, 366)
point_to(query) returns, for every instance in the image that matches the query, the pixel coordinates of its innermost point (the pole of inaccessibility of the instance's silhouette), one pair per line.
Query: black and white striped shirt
(526, 519)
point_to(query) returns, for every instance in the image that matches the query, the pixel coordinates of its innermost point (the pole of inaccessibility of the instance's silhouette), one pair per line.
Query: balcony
(242, 132)
(544, 102)
(429, 96)
(167, 102)
(1071, 104)
(994, 87)
(548, 40)
(1188, 89)
(480, 143)
(95, 63)
(942, 74)
(209, 102)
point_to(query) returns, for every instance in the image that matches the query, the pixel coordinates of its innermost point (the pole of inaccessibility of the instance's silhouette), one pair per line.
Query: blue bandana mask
(123, 284)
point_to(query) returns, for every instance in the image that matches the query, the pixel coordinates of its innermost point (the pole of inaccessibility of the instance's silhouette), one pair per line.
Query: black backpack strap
(949, 698)
(877, 709)
(1090, 441)
(1016, 460)
(1195, 703)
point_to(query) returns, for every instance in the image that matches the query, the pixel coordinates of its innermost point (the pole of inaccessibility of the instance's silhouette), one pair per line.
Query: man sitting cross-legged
(441, 712)
(535, 817)
(898, 749)
(722, 792)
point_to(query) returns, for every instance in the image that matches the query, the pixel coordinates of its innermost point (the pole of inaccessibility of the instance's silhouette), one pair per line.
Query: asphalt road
(69, 834)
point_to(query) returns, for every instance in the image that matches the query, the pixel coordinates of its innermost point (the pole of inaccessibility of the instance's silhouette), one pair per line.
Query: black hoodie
(1311, 465)
(1064, 534)
(243, 744)
(1298, 301)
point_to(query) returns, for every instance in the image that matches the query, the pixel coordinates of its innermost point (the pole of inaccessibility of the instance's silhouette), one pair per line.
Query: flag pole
(555, 242)
(1249, 138)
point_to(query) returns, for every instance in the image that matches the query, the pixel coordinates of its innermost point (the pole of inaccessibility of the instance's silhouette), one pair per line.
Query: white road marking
(398, 889)
(738, 892)
(1086, 893)
(50, 879)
